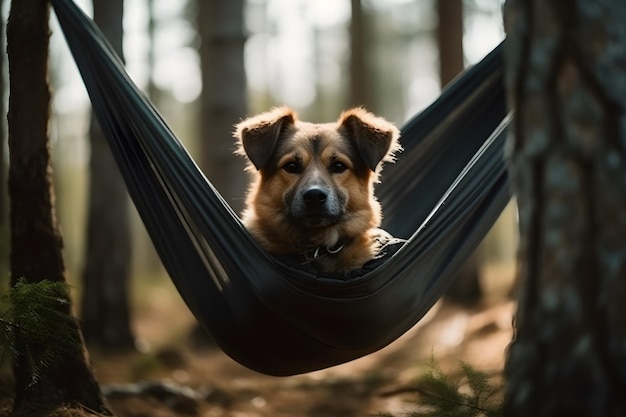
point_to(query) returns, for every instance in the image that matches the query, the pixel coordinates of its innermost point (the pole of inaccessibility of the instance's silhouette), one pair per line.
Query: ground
(172, 378)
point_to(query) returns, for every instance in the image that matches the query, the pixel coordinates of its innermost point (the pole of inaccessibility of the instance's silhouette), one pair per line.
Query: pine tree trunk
(151, 89)
(223, 103)
(360, 93)
(466, 287)
(224, 95)
(105, 305)
(566, 77)
(450, 39)
(36, 244)
(3, 138)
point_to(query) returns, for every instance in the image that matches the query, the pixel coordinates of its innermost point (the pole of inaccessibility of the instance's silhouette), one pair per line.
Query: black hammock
(444, 193)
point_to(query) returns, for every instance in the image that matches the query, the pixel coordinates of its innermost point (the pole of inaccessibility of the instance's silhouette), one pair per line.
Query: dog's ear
(376, 139)
(257, 136)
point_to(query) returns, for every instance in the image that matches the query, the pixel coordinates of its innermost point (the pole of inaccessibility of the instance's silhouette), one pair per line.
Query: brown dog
(312, 194)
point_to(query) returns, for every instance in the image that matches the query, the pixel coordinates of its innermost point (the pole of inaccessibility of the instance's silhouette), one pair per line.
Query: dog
(312, 194)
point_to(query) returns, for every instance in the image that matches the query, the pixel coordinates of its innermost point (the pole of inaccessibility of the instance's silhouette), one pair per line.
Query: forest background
(319, 57)
(297, 53)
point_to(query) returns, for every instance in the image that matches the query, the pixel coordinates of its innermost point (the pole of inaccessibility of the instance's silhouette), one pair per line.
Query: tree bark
(151, 89)
(360, 81)
(450, 39)
(224, 95)
(3, 138)
(466, 288)
(36, 244)
(105, 304)
(566, 76)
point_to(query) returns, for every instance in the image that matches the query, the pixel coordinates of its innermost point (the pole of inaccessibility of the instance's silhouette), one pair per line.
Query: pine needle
(439, 395)
(36, 326)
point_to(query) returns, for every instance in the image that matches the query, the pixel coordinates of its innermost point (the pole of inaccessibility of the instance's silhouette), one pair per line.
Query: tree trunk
(224, 96)
(360, 80)
(450, 39)
(36, 244)
(3, 139)
(566, 77)
(105, 304)
(466, 288)
(151, 89)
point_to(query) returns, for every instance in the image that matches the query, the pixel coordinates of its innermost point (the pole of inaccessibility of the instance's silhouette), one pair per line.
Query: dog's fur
(312, 191)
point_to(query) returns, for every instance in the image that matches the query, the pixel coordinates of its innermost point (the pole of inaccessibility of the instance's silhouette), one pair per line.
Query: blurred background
(318, 57)
(206, 64)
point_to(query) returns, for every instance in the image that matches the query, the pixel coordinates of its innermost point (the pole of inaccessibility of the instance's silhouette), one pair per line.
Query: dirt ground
(172, 378)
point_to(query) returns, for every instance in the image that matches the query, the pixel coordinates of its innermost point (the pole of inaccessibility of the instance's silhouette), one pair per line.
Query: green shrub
(36, 327)
(471, 394)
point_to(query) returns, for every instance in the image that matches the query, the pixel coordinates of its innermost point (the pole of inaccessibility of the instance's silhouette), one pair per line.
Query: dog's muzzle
(316, 206)
(315, 197)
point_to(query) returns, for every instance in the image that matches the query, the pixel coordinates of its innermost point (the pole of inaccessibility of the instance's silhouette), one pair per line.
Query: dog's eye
(292, 167)
(338, 167)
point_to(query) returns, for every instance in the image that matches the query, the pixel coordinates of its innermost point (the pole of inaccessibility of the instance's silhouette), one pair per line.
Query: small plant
(35, 327)
(472, 394)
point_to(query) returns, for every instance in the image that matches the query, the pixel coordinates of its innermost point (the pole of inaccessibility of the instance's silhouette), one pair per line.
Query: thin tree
(223, 102)
(105, 305)
(450, 39)
(466, 287)
(565, 72)
(3, 139)
(224, 96)
(151, 88)
(36, 244)
(360, 93)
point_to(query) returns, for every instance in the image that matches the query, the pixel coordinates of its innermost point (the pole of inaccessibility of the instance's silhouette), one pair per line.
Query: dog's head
(316, 178)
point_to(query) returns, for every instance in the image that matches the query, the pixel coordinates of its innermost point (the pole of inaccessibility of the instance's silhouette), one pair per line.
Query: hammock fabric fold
(444, 193)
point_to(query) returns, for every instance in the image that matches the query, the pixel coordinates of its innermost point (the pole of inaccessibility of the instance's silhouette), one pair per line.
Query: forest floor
(171, 378)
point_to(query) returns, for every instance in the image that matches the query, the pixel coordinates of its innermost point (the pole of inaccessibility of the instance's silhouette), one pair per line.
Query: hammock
(442, 196)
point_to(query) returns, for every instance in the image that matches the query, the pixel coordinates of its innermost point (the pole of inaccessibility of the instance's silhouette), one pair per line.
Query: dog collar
(328, 250)
(323, 251)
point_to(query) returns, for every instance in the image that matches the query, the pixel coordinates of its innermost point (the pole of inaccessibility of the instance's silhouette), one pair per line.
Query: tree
(223, 102)
(565, 67)
(466, 287)
(360, 93)
(105, 305)
(151, 89)
(450, 39)
(3, 191)
(36, 244)
(224, 97)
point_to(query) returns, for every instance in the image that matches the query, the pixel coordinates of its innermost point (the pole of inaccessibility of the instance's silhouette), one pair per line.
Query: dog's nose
(315, 196)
